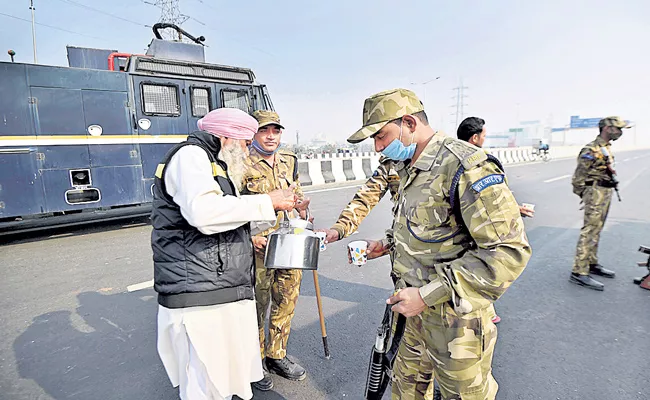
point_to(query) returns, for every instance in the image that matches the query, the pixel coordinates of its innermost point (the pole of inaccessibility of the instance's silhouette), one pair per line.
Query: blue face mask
(397, 151)
(260, 150)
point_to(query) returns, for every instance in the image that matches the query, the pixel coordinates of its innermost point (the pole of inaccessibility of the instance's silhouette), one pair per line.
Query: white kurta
(211, 352)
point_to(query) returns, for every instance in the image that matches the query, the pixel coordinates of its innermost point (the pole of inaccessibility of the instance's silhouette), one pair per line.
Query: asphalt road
(70, 329)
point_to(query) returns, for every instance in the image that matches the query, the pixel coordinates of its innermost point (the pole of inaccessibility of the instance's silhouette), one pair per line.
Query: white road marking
(557, 179)
(628, 159)
(331, 189)
(140, 286)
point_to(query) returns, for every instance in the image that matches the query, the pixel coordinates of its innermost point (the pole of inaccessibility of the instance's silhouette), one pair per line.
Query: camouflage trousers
(597, 201)
(280, 288)
(428, 394)
(455, 350)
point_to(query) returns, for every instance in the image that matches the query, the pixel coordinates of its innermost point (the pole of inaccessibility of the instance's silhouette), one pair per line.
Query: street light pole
(424, 90)
(31, 7)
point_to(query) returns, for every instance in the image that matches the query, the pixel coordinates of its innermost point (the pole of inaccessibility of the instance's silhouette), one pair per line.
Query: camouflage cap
(381, 108)
(614, 121)
(267, 117)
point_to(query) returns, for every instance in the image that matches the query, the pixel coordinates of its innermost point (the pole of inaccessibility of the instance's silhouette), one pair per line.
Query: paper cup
(357, 252)
(321, 237)
(529, 206)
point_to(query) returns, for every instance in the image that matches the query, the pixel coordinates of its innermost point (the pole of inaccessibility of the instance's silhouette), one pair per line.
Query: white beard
(235, 158)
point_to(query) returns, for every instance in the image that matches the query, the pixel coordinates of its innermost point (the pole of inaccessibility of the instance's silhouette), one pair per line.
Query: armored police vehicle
(86, 139)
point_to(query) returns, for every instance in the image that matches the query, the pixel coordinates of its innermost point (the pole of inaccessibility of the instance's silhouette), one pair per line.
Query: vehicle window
(160, 100)
(236, 99)
(200, 101)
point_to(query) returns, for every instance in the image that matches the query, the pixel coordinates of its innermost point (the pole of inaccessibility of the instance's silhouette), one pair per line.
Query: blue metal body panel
(82, 57)
(121, 185)
(21, 191)
(109, 109)
(161, 124)
(151, 154)
(76, 78)
(14, 101)
(58, 111)
(63, 157)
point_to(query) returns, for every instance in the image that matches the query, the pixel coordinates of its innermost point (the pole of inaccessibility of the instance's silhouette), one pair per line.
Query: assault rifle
(383, 355)
(610, 171)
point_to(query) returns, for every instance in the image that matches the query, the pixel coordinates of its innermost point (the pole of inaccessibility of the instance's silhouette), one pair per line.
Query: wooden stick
(320, 315)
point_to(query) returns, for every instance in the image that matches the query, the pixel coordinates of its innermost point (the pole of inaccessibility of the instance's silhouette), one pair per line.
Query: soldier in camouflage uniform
(593, 181)
(384, 179)
(452, 262)
(272, 168)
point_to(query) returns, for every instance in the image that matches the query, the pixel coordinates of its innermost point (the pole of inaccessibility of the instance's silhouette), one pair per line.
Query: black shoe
(586, 280)
(598, 269)
(286, 369)
(265, 384)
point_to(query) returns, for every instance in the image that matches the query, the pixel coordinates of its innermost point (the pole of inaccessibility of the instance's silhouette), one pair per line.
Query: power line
(52, 27)
(206, 4)
(74, 3)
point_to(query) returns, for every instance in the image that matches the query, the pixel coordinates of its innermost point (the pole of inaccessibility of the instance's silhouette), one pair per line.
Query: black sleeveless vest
(190, 268)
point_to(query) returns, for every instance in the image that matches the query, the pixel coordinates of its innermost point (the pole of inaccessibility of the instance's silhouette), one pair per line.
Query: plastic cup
(321, 237)
(357, 251)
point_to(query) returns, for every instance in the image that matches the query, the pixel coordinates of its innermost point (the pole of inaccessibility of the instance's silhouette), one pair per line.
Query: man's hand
(283, 199)
(526, 212)
(331, 235)
(408, 302)
(259, 243)
(375, 249)
(302, 207)
(303, 204)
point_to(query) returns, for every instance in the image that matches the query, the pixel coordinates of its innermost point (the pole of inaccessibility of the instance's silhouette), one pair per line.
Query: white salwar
(211, 352)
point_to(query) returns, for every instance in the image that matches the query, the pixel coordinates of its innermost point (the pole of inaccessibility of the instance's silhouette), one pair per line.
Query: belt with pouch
(605, 184)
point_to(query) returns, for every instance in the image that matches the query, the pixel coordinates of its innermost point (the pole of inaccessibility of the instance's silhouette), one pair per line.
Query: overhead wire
(53, 27)
(75, 3)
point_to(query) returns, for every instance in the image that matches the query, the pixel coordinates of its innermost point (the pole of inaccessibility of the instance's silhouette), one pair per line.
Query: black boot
(265, 384)
(286, 369)
(586, 280)
(598, 269)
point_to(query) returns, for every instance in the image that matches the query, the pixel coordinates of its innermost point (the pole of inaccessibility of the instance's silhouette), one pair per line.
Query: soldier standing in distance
(593, 181)
(456, 244)
(273, 168)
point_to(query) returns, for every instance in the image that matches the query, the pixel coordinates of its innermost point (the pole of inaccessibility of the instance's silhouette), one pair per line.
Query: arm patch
(488, 181)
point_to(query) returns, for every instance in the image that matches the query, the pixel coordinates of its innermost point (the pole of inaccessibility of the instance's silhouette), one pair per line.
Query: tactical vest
(190, 268)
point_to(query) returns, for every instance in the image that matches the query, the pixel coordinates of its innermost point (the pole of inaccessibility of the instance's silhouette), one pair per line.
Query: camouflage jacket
(468, 263)
(592, 165)
(384, 179)
(261, 178)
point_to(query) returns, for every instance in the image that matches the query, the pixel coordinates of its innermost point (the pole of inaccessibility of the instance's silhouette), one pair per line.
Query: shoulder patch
(488, 181)
(287, 152)
(468, 155)
(588, 156)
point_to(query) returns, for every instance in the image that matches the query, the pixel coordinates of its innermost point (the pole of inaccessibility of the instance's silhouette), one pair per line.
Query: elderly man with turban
(204, 262)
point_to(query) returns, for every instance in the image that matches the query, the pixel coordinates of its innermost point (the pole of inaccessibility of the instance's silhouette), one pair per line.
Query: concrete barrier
(350, 167)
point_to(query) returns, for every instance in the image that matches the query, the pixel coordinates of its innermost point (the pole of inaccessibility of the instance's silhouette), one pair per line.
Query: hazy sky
(522, 60)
